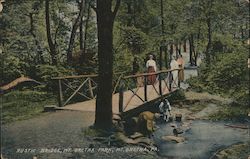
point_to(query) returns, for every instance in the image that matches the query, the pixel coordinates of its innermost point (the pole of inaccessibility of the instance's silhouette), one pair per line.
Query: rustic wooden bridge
(128, 93)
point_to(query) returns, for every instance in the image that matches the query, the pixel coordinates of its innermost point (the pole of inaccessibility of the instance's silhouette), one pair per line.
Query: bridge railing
(165, 83)
(83, 86)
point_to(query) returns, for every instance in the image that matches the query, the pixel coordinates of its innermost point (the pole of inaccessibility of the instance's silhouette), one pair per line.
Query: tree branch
(92, 6)
(117, 5)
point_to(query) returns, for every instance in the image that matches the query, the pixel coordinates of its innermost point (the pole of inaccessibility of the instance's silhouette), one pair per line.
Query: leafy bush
(135, 39)
(227, 75)
(176, 96)
(32, 96)
(46, 72)
(19, 105)
(12, 68)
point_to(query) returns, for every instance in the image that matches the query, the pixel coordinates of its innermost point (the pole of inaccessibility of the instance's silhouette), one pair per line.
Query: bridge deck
(130, 100)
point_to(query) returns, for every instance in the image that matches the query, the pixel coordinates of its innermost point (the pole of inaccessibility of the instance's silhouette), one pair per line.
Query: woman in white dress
(174, 65)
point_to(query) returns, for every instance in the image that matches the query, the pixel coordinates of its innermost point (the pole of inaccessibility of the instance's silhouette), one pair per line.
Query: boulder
(190, 117)
(136, 135)
(177, 131)
(49, 108)
(178, 117)
(177, 139)
(116, 117)
(173, 125)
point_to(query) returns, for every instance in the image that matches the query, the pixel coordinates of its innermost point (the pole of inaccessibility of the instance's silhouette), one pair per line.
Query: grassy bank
(230, 112)
(19, 105)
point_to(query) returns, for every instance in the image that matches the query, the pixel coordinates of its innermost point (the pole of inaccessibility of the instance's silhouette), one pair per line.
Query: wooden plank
(118, 82)
(75, 92)
(60, 95)
(160, 85)
(81, 76)
(134, 93)
(148, 74)
(121, 94)
(155, 88)
(72, 77)
(170, 83)
(145, 88)
(90, 88)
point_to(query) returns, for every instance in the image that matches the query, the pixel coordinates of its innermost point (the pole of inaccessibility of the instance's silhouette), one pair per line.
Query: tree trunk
(81, 35)
(209, 44)
(73, 32)
(190, 50)
(129, 12)
(176, 50)
(209, 26)
(105, 20)
(194, 52)
(185, 46)
(166, 59)
(171, 51)
(40, 58)
(52, 46)
(86, 29)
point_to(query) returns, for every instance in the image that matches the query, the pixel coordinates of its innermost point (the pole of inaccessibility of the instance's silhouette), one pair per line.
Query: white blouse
(174, 64)
(151, 63)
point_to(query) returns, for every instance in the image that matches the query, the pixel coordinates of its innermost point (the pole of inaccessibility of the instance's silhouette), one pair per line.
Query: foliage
(19, 105)
(135, 39)
(45, 73)
(231, 113)
(228, 76)
(178, 95)
(12, 68)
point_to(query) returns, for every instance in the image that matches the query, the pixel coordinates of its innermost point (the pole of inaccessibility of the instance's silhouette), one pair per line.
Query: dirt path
(59, 135)
(59, 131)
(52, 130)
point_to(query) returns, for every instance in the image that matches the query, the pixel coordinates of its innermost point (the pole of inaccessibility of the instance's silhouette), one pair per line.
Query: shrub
(227, 75)
(46, 72)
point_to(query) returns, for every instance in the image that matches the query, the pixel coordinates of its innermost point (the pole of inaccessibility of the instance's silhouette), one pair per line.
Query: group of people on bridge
(176, 76)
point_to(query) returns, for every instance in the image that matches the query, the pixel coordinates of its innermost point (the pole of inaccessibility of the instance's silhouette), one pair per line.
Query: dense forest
(41, 39)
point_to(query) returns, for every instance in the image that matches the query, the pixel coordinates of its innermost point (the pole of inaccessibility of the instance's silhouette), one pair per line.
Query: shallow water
(203, 139)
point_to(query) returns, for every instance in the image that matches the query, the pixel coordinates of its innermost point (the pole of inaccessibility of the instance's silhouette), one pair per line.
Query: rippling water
(203, 139)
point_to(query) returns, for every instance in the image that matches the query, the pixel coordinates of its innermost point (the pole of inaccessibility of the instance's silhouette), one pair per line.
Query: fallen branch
(16, 82)
(237, 126)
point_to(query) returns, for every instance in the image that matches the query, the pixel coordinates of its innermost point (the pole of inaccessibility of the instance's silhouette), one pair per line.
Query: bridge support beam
(60, 93)
(121, 101)
(160, 85)
(145, 88)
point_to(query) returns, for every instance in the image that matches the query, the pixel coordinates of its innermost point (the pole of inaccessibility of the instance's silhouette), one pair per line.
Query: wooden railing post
(179, 83)
(90, 88)
(145, 87)
(160, 85)
(60, 93)
(170, 80)
(121, 90)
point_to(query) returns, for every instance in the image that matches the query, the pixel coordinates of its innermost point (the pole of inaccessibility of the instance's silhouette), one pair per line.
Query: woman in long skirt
(151, 66)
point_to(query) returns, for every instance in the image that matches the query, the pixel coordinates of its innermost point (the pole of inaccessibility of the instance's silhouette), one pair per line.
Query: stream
(202, 140)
